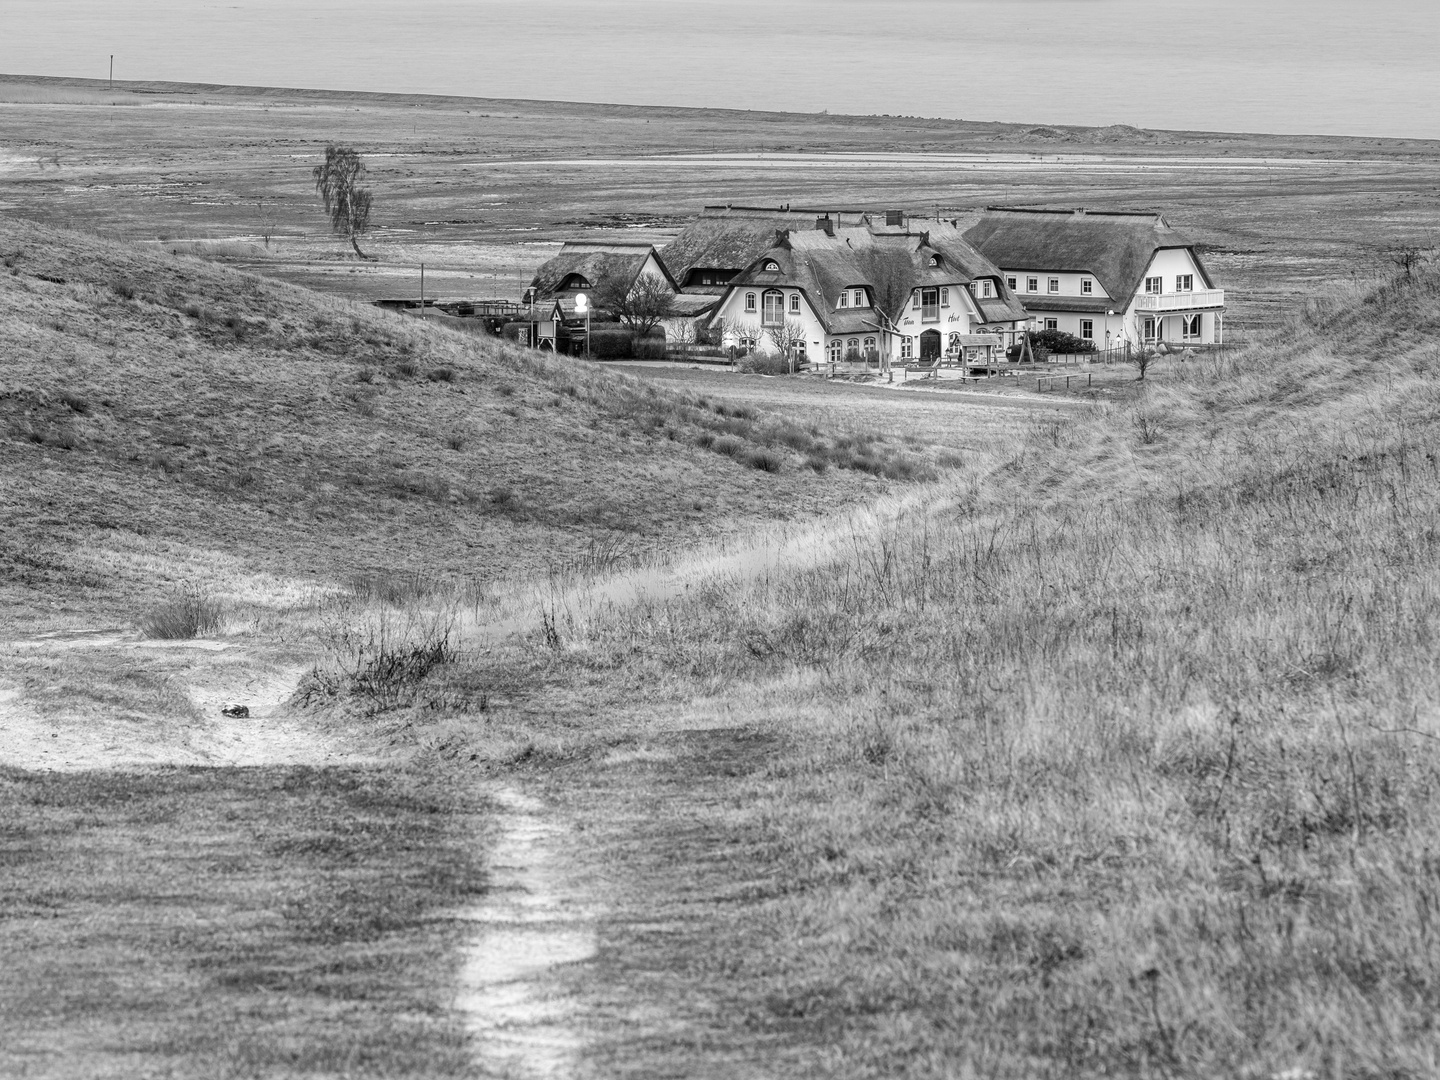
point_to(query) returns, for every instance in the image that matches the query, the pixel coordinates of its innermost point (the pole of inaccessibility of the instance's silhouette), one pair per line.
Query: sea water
(1294, 66)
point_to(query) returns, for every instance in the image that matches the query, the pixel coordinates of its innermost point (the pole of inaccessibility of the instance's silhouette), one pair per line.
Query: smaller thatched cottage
(1107, 277)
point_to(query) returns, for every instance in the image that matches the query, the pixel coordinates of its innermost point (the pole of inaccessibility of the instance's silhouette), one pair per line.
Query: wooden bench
(925, 371)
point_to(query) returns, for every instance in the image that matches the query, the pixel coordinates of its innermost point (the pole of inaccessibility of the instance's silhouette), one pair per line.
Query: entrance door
(929, 346)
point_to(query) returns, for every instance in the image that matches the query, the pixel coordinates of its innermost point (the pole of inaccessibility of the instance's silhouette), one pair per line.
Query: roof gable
(596, 261)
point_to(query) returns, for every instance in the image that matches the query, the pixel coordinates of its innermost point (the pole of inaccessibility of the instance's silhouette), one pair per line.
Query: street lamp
(582, 304)
(1108, 313)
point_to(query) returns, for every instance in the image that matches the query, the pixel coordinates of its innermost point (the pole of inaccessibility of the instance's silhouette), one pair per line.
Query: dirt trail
(531, 922)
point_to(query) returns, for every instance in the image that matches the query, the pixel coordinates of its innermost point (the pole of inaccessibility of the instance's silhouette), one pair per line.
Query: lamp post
(1108, 313)
(582, 303)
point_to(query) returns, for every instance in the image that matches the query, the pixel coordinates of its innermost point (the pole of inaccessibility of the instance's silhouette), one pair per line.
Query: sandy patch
(530, 924)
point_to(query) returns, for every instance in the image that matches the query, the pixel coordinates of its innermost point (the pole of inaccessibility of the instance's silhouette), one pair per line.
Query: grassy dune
(178, 416)
(1117, 757)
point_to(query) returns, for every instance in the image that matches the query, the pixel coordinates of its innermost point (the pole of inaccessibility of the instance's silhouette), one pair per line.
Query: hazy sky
(1258, 65)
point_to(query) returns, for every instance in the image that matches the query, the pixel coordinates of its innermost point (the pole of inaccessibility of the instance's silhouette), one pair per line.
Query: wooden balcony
(1169, 303)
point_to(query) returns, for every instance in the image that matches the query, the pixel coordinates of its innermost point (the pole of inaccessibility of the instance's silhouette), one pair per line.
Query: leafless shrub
(191, 613)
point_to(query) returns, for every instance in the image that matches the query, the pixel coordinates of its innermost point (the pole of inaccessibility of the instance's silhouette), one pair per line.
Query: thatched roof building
(1115, 247)
(724, 240)
(888, 261)
(583, 264)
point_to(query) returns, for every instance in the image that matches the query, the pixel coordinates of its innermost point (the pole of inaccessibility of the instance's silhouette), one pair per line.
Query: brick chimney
(826, 225)
(895, 218)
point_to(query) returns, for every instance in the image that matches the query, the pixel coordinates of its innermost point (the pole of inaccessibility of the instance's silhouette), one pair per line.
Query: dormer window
(845, 298)
(771, 266)
(934, 260)
(860, 298)
(987, 289)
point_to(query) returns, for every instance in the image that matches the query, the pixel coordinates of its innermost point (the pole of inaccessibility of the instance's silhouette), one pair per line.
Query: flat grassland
(483, 191)
(874, 734)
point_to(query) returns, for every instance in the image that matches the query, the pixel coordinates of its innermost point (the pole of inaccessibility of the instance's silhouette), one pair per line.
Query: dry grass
(1119, 760)
(233, 923)
(187, 403)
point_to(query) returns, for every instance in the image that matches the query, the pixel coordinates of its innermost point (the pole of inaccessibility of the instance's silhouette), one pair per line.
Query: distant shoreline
(1067, 138)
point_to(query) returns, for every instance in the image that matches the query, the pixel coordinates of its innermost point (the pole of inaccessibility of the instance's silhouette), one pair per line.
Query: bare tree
(789, 337)
(683, 332)
(1144, 356)
(346, 202)
(1408, 259)
(641, 306)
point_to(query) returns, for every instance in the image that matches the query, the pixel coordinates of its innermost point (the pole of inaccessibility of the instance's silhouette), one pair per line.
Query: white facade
(1172, 303)
(747, 325)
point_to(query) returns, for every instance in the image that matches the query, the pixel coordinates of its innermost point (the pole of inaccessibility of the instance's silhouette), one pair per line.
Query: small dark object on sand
(235, 709)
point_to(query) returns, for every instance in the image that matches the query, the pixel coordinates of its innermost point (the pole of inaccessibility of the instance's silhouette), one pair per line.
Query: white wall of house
(1170, 265)
(957, 314)
(652, 267)
(1067, 284)
(742, 323)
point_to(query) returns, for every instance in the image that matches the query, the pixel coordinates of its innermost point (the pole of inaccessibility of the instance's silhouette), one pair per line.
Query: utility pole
(112, 71)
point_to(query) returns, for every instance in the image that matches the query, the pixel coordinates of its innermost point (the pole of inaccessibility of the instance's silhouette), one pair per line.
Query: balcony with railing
(1196, 300)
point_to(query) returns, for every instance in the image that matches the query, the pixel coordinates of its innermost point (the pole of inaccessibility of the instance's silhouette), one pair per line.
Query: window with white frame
(860, 298)
(852, 349)
(845, 298)
(1010, 283)
(1052, 324)
(1054, 285)
(869, 347)
(1154, 285)
(907, 348)
(944, 297)
(1190, 327)
(772, 308)
(1087, 329)
(750, 300)
(772, 267)
(1184, 282)
(1087, 286)
(1149, 329)
(987, 289)
(837, 350)
(930, 305)
(795, 303)
(1032, 284)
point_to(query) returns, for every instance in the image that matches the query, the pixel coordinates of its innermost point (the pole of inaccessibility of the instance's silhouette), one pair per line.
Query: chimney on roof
(894, 217)
(826, 225)
(1079, 211)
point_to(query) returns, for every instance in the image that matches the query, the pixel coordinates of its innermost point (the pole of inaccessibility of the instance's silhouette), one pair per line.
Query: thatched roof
(594, 261)
(889, 263)
(1114, 247)
(732, 237)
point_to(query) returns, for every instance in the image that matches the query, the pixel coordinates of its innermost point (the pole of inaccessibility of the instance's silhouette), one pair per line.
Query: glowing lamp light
(582, 302)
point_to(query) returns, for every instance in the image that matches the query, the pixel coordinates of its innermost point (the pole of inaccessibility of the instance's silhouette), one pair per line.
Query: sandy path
(531, 922)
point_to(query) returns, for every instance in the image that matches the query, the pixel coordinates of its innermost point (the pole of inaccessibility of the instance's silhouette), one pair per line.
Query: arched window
(869, 344)
(795, 303)
(954, 341)
(772, 308)
(837, 350)
(750, 300)
(934, 260)
(907, 348)
(771, 266)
